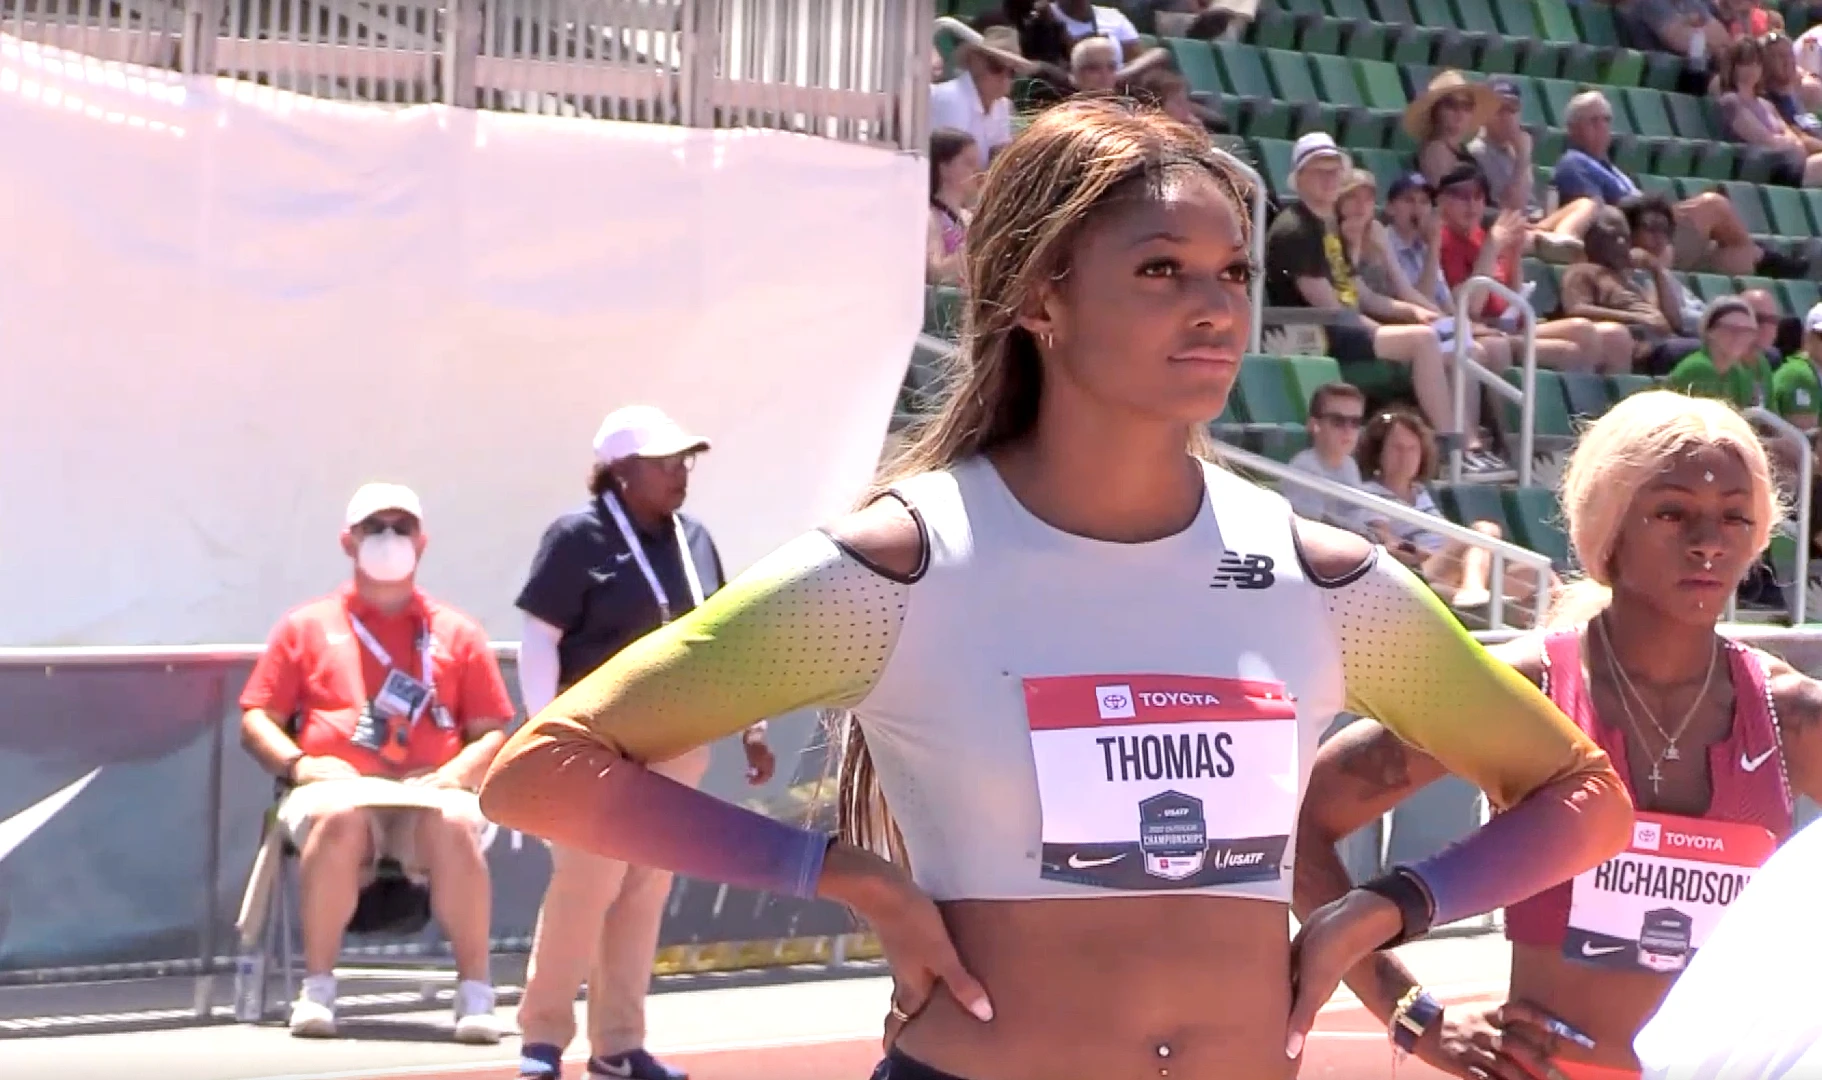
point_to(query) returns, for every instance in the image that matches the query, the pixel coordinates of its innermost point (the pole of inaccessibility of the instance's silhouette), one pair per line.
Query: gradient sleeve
(808, 626)
(1410, 665)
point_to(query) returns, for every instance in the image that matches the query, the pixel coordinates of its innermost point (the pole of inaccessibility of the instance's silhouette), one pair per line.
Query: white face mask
(387, 557)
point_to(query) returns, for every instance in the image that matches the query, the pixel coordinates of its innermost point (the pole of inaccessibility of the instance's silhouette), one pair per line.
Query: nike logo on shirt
(1589, 948)
(1076, 862)
(1752, 764)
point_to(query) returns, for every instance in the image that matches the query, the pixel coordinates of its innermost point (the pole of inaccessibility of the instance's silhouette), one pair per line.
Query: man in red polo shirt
(1469, 249)
(384, 707)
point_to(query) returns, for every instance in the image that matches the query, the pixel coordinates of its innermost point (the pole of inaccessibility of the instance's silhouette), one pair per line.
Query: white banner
(223, 308)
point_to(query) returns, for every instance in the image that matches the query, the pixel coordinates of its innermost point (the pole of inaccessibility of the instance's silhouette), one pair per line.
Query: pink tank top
(1759, 797)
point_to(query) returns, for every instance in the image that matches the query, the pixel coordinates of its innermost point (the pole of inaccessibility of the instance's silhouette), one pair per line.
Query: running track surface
(1348, 1044)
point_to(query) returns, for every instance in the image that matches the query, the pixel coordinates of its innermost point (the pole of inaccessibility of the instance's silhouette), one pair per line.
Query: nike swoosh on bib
(19, 828)
(1076, 862)
(1752, 764)
(1589, 948)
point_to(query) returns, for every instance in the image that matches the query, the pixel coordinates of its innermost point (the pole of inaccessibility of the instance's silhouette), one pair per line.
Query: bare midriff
(1126, 988)
(1608, 1006)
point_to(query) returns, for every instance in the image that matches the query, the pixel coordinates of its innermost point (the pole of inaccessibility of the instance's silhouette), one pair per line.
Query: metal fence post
(201, 28)
(461, 49)
(211, 858)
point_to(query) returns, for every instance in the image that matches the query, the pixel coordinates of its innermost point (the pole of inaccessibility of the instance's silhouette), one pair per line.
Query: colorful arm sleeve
(1409, 664)
(807, 626)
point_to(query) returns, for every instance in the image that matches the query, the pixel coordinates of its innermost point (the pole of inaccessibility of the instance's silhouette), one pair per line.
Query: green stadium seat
(1385, 165)
(1751, 208)
(1273, 28)
(1466, 504)
(1380, 85)
(1381, 381)
(1785, 206)
(1454, 48)
(1291, 82)
(1531, 108)
(1663, 70)
(1596, 26)
(1657, 185)
(1554, 426)
(1309, 373)
(1588, 394)
(1799, 296)
(1546, 299)
(1741, 284)
(1710, 287)
(1412, 42)
(1266, 391)
(1362, 125)
(1196, 62)
(1499, 53)
(1244, 73)
(1812, 201)
(1274, 157)
(1556, 94)
(1559, 33)
(1624, 386)
(1536, 518)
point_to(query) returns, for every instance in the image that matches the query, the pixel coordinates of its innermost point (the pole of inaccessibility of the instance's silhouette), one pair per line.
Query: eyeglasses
(374, 526)
(683, 462)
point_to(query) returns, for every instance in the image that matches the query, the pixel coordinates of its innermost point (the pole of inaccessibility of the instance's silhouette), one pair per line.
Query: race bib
(1652, 906)
(1149, 782)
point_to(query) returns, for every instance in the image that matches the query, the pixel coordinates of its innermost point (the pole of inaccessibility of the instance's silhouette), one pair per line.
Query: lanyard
(614, 511)
(380, 653)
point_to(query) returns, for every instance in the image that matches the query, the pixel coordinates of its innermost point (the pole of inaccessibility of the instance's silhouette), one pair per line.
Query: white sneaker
(313, 1013)
(475, 1022)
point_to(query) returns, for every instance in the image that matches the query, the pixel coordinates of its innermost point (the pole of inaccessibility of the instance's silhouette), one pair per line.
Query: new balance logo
(1244, 572)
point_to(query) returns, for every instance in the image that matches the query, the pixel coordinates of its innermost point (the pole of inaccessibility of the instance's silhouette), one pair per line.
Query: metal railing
(1397, 511)
(853, 70)
(1466, 367)
(1792, 436)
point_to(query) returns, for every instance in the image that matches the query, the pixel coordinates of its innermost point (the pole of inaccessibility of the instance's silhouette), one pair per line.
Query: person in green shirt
(1727, 365)
(1796, 389)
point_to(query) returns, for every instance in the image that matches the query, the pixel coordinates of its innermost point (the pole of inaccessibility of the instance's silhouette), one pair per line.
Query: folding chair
(391, 937)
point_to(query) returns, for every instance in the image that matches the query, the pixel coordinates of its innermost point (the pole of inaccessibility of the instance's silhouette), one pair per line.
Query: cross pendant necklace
(1623, 684)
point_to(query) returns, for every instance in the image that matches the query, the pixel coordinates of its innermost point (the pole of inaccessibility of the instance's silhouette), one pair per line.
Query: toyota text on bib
(1154, 782)
(1650, 907)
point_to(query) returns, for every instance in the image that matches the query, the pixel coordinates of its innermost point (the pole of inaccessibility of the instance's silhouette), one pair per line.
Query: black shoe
(1780, 264)
(633, 1065)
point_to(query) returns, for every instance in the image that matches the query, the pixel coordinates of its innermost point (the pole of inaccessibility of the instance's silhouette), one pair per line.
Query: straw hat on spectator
(1419, 116)
(998, 43)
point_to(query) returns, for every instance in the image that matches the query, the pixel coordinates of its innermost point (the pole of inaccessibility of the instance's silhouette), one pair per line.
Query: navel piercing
(1708, 478)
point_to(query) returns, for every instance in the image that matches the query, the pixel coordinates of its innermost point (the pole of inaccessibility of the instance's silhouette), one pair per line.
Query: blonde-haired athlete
(1669, 501)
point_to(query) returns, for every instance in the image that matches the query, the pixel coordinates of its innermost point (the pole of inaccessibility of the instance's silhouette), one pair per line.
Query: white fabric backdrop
(222, 308)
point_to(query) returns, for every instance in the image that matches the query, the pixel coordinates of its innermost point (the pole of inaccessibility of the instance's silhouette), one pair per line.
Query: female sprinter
(1084, 668)
(1669, 501)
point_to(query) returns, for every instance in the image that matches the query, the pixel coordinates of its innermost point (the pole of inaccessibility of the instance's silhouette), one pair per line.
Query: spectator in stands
(1308, 266)
(1470, 249)
(1401, 257)
(1398, 458)
(1094, 65)
(1796, 387)
(1709, 234)
(383, 709)
(1772, 326)
(1727, 366)
(1337, 410)
(1688, 28)
(1082, 19)
(604, 576)
(1603, 289)
(1652, 219)
(976, 101)
(1747, 18)
(1796, 93)
(1754, 120)
(1503, 151)
(1443, 119)
(955, 179)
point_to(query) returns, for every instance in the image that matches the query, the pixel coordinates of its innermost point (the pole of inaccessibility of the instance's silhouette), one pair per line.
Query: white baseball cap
(642, 431)
(373, 498)
(1813, 321)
